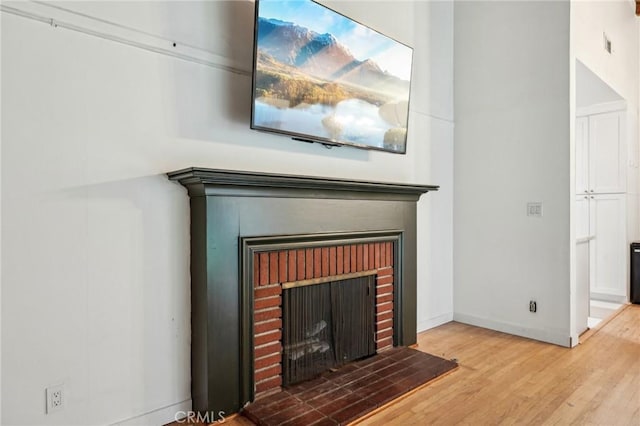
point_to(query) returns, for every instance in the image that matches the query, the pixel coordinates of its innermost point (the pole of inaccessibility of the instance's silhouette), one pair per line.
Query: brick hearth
(273, 268)
(354, 390)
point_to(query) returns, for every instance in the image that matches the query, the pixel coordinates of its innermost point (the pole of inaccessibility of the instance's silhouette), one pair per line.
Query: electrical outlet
(533, 306)
(55, 398)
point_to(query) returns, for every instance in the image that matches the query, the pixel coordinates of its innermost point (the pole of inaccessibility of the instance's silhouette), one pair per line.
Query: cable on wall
(213, 60)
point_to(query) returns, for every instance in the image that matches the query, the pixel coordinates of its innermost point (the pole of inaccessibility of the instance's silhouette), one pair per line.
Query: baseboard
(605, 297)
(161, 416)
(556, 338)
(434, 322)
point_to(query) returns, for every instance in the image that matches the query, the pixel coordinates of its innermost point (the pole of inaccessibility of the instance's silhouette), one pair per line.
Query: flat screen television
(319, 76)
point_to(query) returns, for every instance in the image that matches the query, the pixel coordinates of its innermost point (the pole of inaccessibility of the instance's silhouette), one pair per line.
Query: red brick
(365, 257)
(267, 361)
(317, 262)
(269, 392)
(270, 337)
(384, 280)
(387, 306)
(359, 261)
(273, 267)
(382, 325)
(283, 267)
(267, 291)
(262, 351)
(354, 258)
(309, 273)
(347, 259)
(383, 254)
(264, 268)
(384, 298)
(387, 270)
(340, 260)
(256, 270)
(301, 264)
(381, 335)
(372, 256)
(389, 253)
(384, 316)
(264, 326)
(310, 417)
(384, 343)
(333, 257)
(292, 265)
(268, 372)
(384, 289)
(267, 302)
(377, 255)
(325, 261)
(268, 384)
(267, 314)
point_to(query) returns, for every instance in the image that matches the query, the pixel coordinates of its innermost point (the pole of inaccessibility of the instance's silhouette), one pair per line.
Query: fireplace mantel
(231, 210)
(201, 181)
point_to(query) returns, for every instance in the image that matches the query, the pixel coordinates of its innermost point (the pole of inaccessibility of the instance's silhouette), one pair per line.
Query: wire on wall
(131, 36)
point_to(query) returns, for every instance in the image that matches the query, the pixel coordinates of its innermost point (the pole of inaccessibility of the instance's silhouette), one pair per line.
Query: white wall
(95, 241)
(435, 227)
(1, 274)
(511, 147)
(591, 90)
(620, 70)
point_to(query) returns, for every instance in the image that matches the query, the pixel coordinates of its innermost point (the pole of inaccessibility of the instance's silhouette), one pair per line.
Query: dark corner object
(229, 207)
(634, 282)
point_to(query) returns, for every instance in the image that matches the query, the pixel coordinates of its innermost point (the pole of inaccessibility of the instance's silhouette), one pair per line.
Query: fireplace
(260, 242)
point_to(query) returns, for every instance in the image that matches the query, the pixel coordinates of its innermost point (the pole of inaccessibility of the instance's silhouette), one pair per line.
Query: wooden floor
(505, 379)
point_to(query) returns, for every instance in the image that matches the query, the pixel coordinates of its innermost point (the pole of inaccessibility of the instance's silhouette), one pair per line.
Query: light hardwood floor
(505, 379)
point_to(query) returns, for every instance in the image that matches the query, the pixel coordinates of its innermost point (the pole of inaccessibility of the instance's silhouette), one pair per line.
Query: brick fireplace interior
(288, 269)
(258, 239)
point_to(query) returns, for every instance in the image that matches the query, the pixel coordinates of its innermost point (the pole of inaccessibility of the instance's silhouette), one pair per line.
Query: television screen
(321, 77)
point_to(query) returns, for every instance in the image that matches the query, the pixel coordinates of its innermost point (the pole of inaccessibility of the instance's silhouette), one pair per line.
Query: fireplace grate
(326, 325)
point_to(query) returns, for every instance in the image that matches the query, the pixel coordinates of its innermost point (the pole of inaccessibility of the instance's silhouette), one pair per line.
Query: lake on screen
(352, 120)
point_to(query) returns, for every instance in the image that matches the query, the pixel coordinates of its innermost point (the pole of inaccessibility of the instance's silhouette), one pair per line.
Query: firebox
(269, 249)
(326, 324)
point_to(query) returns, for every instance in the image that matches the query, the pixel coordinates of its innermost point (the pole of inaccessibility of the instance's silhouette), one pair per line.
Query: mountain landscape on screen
(284, 46)
(330, 87)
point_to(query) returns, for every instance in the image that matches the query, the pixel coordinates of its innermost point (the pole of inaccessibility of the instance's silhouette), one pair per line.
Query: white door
(582, 263)
(582, 286)
(606, 154)
(582, 217)
(582, 155)
(608, 248)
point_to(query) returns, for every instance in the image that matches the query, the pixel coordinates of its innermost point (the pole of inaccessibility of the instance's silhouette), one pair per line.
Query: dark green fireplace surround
(234, 214)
